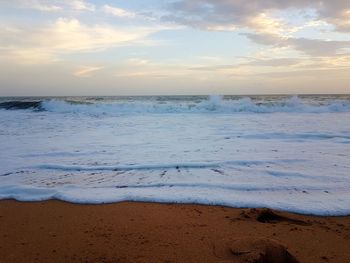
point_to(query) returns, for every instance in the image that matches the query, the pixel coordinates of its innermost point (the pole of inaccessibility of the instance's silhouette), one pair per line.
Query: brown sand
(145, 232)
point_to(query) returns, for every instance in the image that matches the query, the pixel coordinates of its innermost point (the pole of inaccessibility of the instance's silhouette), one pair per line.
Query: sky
(172, 47)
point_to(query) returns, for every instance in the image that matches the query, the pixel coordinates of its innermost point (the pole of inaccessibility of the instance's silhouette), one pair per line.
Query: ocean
(283, 152)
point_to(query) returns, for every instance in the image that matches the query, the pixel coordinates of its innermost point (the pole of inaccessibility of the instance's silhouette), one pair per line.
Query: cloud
(44, 7)
(337, 13)
(262, 23)
(64, 36)
(232, 14)
(51, 5)
(317, 47)
(205, 14)
(251, 62)
(275, 62)
(282, 69)
(259, 23)
(266, 39)
(81, 5)
(142, 74)
(312, 47)
(213, 67)
(86, 71)
(119, 12)
(70, 35)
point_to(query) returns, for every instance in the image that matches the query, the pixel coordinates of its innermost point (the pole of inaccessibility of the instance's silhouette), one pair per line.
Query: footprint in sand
(259, 250)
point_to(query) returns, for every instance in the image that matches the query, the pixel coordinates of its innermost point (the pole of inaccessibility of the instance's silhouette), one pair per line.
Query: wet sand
(55, 231)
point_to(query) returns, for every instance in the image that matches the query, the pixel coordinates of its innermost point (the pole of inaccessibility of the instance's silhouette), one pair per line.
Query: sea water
(282, 152)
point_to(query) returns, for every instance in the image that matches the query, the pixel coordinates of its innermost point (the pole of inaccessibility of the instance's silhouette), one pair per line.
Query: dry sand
(146, 232)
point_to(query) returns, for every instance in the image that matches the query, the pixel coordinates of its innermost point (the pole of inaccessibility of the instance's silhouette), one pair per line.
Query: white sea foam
(295, 202)
(294, 157)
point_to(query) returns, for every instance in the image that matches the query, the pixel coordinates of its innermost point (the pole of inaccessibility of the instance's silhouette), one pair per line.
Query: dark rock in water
(260, 251)
(20, 105)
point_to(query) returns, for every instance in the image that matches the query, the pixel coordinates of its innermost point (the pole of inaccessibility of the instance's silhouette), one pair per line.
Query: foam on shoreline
(308, 204)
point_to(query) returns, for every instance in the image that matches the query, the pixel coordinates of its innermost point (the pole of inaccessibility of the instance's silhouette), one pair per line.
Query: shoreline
(58, 231)
(178, 204)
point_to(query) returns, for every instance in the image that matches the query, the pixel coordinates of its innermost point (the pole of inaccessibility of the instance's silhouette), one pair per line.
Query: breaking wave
(213, 104)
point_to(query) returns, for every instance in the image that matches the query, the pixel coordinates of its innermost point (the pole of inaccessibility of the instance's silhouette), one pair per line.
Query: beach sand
(55, 231)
